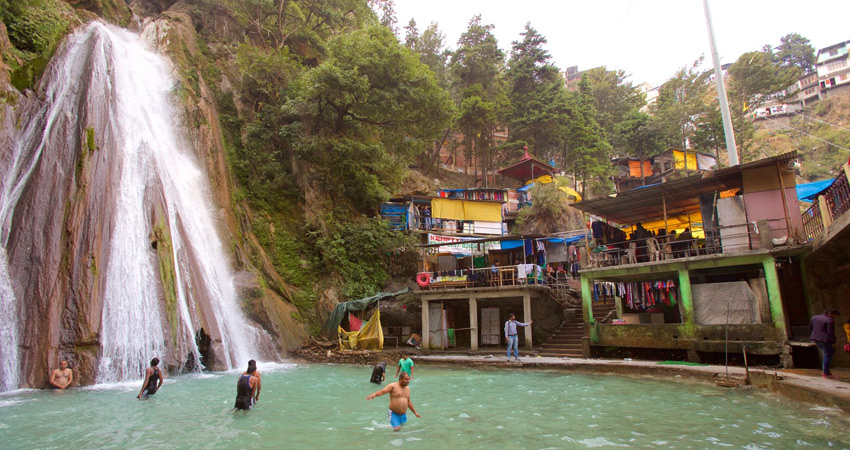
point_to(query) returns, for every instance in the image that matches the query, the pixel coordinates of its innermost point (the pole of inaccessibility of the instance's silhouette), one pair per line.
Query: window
(835, 65)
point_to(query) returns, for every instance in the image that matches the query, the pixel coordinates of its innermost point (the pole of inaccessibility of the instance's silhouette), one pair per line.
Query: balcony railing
(828, 206)
(662, 248)
(812, 222)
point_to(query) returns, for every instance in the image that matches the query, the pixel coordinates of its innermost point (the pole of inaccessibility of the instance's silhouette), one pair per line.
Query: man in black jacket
(822, 327)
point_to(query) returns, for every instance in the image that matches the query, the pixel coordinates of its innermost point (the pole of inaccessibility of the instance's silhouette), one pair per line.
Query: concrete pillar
(526, 312)
(586, 299)
(426, 326)
(774, 296)
(473, 323)
(687, 301)
(825, 214)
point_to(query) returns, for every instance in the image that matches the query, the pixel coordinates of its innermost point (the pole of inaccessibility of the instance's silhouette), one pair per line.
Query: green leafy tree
(274, 23)
(615, 98)
(550, 212)
(796, 51)
(681, 101)
(431, 47)
(365, 113)
(709, 133)
(587, 153)
(637, 135)
(537, 95)
(754, 79)
(477, 87)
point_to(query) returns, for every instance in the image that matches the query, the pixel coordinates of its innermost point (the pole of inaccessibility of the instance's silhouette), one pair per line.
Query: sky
(648, 39)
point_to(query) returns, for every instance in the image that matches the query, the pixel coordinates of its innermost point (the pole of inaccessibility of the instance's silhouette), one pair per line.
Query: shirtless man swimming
(62, 377)
(399, 401)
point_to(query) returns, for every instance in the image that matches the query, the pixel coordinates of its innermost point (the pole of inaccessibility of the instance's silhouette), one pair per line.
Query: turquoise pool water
(324, 406)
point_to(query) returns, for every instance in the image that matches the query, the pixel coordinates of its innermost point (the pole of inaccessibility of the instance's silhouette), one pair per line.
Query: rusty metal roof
(682, 195)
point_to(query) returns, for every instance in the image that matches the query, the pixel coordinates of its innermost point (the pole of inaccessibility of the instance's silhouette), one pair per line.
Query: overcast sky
(649, 39)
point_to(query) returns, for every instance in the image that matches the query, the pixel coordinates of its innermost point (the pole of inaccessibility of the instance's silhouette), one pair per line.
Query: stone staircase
(566, 341)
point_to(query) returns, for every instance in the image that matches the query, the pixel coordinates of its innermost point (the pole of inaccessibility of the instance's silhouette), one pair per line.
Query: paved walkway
(799, 384)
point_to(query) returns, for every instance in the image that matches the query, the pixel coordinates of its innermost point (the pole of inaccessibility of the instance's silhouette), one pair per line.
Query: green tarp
(329, 331)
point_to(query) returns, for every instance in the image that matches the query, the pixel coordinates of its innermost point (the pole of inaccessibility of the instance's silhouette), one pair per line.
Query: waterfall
(108, 82)
(155, 153)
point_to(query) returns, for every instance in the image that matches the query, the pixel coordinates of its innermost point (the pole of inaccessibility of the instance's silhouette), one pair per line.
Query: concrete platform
(805, 385)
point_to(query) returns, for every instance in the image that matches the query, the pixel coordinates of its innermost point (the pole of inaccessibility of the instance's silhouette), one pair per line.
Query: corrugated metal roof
(681, 196)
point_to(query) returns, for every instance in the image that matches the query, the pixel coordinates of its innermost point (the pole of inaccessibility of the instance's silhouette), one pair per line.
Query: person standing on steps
(822, 327)
(153, 380)
(62, 377)
(246, 389)
(511, 335)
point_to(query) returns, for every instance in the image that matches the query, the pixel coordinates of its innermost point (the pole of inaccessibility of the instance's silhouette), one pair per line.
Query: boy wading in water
(399, 401)
(153, 380)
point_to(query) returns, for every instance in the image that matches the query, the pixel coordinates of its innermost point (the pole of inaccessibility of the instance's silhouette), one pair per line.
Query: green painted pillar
(586, 299)
(774, 296)
(687, 302)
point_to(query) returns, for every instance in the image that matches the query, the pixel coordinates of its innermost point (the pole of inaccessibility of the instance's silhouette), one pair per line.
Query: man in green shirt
(405, 364)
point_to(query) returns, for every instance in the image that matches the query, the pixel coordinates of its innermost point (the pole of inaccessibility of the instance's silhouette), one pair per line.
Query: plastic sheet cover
(330, 329)
(370, 336)
(722, 303)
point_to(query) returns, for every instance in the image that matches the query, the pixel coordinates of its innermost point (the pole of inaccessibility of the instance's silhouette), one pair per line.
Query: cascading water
(166, 274)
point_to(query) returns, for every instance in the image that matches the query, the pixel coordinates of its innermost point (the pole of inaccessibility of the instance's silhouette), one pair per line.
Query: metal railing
(812, 221)
(838, 196)
(836, 199)
(662, 248)
(528, 274)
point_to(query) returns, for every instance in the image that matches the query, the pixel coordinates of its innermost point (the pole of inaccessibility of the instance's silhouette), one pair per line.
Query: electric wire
(800, 113)
(809, 135)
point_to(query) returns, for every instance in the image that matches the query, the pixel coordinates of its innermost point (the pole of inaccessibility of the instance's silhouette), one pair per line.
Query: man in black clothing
(822, 327)
(246, 389)
(378, 373)
(153, 380)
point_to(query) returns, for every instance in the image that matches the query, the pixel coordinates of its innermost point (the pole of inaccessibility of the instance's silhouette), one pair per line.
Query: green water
(324, 406)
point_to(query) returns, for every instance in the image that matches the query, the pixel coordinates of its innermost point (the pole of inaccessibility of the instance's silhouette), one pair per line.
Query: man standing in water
(246, 388)
(511, 337)
(62, 377)
(399, 401)
(405, 364)
(378, 376)
(153, 380)
(253, 364)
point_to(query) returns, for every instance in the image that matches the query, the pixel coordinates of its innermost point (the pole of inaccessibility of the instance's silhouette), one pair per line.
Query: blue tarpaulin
(525, 188)
(808, 191)
(507, 245)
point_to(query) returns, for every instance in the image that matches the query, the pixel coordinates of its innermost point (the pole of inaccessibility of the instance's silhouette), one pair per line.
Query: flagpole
(728, 131)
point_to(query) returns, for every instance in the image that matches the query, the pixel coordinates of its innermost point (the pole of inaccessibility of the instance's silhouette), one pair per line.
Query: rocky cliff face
(65, 217)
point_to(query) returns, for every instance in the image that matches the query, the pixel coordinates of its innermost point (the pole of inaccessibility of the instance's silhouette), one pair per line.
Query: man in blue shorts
(399, 401)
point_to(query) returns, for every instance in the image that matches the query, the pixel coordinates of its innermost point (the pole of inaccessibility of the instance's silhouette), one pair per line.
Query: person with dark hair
(822, 327)
(259, 380)
(511, 335)
(399, 401)
(378, 373)
(405, 364)
(246, 388)
(153, 380)
(62, 377)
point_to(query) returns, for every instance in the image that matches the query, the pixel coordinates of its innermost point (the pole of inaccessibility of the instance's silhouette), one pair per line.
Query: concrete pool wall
(796, 386)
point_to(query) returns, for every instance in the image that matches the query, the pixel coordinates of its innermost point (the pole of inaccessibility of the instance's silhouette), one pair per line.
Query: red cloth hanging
(354, 322)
